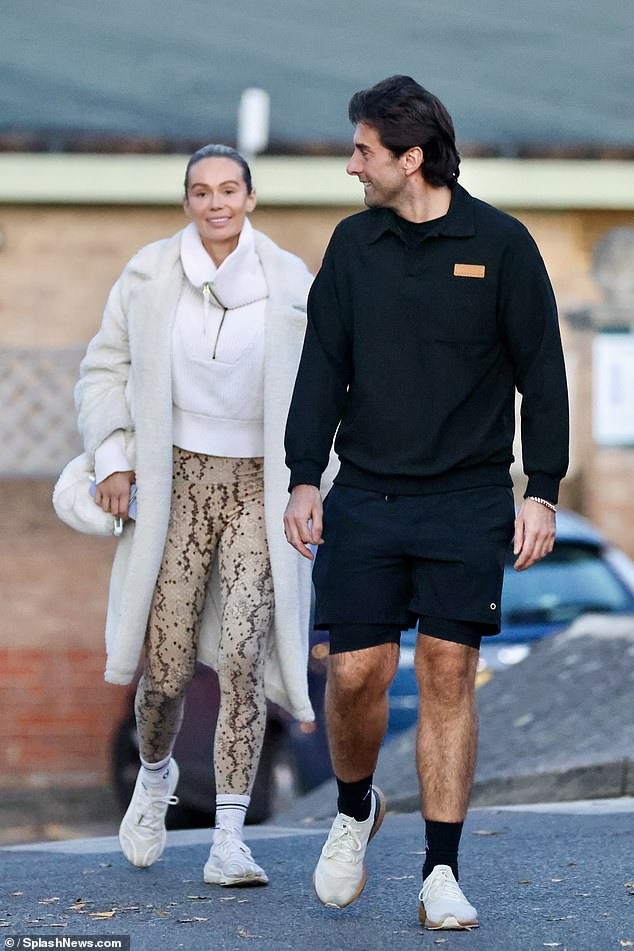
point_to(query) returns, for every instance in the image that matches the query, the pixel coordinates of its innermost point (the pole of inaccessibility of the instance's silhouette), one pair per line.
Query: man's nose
(353, 166)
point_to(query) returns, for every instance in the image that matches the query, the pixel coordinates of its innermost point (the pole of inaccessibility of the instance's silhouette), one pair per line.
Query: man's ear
(412, 160)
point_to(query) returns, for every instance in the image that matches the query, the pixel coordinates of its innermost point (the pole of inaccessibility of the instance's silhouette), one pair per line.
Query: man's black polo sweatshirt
(414, 347)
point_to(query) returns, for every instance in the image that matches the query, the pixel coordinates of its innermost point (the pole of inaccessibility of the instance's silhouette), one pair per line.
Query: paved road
(553, 876)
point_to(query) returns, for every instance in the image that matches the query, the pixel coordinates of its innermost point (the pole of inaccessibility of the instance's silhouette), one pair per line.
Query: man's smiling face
(379, 170)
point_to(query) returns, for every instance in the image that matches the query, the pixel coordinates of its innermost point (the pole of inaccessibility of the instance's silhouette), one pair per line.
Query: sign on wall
(613, 389)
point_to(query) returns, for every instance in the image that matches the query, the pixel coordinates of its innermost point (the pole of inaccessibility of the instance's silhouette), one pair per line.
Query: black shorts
(391, 560)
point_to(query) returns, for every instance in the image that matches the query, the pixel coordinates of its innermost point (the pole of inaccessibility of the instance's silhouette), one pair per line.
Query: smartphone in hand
(131, 503)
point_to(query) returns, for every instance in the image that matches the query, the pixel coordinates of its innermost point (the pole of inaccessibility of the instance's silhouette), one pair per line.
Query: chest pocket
(464, 308)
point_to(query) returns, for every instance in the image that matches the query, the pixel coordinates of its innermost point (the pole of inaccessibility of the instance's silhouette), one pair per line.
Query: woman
(184, 391)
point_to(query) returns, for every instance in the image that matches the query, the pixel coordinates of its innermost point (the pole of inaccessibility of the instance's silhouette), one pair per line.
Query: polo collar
(459, 222)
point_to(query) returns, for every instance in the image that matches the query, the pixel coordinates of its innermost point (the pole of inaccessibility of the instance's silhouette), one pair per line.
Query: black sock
(441, 841)
(355, 799)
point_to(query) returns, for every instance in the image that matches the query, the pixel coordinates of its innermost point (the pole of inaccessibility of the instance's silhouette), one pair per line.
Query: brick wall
(58, 714)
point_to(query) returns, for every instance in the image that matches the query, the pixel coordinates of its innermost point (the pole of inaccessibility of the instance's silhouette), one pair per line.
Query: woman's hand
(113, 494)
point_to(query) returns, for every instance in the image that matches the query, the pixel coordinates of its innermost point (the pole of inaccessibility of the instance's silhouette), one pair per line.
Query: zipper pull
(206, 304)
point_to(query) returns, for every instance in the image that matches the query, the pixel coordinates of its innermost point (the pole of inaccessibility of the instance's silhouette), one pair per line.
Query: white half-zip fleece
(217, 357)
(218, 350)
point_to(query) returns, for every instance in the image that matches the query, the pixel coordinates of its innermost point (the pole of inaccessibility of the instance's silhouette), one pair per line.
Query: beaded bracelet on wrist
(549, 505)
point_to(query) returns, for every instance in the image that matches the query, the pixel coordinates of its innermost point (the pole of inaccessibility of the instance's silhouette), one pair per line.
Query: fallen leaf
(558, 880)
(200, 919)
(397, 878)
(629, 884)
(626, 944)
(242, 901)
(63, 924)
(100, 915)
(163, 914)
(485, 832)
(524, 881)
(79, 904)
(229, 898)
(105, 865)
(440, 941)
(17, 893)
(198, 897)
(243, 933)
(47, 901)
(552, 944)
(583, 895)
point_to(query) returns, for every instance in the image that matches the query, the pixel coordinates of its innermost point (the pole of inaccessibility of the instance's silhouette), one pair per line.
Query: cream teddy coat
(125, 383)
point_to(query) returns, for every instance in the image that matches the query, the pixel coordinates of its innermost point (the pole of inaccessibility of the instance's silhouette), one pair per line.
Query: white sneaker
(142, 834)
(442, 903)
(230, 862)
(340, 875)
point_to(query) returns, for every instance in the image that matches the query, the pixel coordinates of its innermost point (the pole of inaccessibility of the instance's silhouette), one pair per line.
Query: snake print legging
(217, 511)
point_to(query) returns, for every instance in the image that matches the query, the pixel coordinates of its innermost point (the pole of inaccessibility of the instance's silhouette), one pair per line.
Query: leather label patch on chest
(468, 270)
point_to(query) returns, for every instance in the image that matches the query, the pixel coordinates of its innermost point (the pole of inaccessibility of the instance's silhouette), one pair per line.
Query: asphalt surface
(554, 876)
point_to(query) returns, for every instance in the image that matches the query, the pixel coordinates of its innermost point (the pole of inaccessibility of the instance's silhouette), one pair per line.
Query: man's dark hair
(406, 115)
(220, 151)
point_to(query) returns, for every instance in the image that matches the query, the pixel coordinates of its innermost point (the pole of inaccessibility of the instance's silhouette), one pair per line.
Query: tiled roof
(513, 74)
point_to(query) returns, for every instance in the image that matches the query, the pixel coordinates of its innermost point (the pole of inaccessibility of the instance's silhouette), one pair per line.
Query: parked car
(583, 573)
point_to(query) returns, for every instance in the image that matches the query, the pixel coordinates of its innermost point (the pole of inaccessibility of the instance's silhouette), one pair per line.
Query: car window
(572, 579)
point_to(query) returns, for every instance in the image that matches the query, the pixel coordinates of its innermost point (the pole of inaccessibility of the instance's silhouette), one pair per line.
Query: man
(429, 310)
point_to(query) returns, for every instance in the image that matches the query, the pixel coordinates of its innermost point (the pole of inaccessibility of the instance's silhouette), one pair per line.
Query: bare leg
(447, 728)
(356, 713)
(357, 708)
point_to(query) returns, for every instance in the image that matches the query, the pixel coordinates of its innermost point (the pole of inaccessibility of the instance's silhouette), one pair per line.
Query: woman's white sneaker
(230, 862)
(340, 875)
(442, 903)
(142, 834)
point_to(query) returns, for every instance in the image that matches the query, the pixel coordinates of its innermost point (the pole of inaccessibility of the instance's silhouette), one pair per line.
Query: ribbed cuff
(543, 486)
(111, 456)
(305, 473)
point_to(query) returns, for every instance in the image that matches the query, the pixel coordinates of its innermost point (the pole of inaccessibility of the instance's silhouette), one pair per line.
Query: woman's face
(217, 202)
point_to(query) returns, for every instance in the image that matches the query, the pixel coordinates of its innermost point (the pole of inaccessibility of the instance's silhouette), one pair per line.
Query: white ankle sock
(231, 809)
(155, 776)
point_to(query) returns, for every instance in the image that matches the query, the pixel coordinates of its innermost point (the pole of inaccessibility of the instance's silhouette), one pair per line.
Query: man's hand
(534, 533)
(303, 519)
(113, 494)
